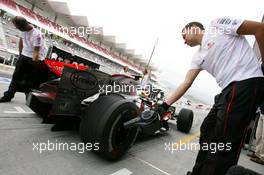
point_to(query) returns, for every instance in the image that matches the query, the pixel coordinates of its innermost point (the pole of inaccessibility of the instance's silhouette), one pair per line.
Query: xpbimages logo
(64, 146)
(183, 146)
(125, 88)
(80, 31)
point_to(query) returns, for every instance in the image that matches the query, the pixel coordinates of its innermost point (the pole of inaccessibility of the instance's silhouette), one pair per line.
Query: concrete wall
(24, 3)
(45, 13)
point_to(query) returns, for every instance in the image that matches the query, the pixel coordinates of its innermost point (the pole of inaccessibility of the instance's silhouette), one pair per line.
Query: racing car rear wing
(75, 86)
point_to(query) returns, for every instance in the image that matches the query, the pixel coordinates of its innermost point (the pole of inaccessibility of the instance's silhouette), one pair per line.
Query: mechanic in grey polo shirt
(224, 53)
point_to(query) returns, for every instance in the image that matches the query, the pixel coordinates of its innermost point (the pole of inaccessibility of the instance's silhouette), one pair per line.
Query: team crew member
(124, 70)
(258, 156)
(227, 56)
(146, 78)
(31, 48)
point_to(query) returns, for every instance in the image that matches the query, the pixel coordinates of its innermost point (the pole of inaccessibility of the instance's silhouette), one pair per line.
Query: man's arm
(36, 53)
(190, 77)
(256, 29)
(20, 46)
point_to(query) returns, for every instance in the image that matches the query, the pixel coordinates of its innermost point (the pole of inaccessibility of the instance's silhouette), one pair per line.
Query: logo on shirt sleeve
(234, 22)
(202, 62)
(210, 45)
(224, 21)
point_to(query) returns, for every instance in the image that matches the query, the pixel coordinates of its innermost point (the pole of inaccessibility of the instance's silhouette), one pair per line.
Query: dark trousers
(22, 71)
(226, 125)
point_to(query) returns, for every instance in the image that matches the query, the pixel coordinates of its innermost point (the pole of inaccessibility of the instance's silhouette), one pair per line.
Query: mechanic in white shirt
(124, 70)
(54, 56)
(258, 155)
(224, 53)
(31, 49)
(146, 78)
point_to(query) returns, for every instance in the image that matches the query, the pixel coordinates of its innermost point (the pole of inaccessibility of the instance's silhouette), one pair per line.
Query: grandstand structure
(53, 17)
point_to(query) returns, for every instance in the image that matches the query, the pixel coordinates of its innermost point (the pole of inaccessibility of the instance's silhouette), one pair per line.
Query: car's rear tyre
(102, 124)
(185, 120)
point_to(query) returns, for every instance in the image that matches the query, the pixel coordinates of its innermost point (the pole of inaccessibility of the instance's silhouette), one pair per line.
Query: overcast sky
(138, 23)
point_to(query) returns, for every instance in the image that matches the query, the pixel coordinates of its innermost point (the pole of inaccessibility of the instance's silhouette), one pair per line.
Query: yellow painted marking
(186, 139)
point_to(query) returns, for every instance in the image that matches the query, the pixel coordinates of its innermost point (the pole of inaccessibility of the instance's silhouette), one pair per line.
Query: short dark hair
(194, 23)
(20, 22)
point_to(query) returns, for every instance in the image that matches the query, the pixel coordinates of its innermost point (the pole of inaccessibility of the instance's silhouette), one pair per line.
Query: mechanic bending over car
(31, 49)
(224, 53)
(146, 78)
(258, 155)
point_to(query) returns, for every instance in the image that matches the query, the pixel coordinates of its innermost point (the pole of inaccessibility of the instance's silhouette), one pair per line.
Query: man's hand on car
(161, 109)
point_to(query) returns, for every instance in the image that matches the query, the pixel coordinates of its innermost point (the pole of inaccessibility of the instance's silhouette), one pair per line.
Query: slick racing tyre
(185, 120)
(102, 124)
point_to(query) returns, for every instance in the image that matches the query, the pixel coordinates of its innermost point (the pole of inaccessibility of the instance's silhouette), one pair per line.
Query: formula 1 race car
(110, 110)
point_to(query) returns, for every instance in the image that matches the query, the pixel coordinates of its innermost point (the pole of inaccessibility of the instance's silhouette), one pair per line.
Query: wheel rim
(119, 136)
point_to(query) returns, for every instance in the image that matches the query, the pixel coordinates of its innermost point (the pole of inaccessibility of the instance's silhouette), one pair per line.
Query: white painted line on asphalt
(153, 166)
(123, 171)
(18, 110)
(5, 80)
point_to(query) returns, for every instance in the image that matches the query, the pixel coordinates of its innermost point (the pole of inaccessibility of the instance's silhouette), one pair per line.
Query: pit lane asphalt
(20, 128)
